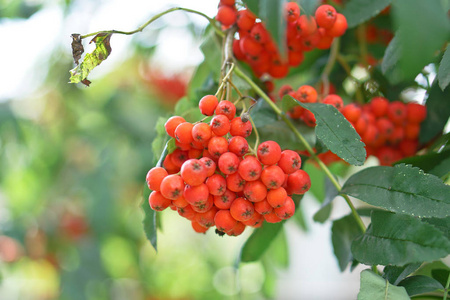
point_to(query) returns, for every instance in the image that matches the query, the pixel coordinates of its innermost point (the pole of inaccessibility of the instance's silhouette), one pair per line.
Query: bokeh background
(73, 162)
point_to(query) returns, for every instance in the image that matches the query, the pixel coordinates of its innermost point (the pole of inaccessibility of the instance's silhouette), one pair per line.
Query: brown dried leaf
(77, 47)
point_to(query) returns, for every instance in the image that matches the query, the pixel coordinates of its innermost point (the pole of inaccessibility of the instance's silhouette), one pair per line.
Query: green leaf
(390, 66)
(374, 287)
(394, 239)
(441, 275)
(159, 142)
(336, 132)
(188, 109)
(442, 224)
(212, 51)
(359, 11)
(288, 103)
(437, 164)
(259, 241)
(444, 69)
(149, 220)
(420, 284)
(343, 232)
(271, 12)
(430, 25)
(438, 113)
(279, 251)
(93, 59)
(395, 274)
(402, 189)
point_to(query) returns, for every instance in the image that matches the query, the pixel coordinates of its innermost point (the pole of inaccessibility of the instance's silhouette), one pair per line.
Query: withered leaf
(77, 47)
(93, 59)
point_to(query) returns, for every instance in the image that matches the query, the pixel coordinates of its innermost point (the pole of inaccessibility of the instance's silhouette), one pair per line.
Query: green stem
(140, 28)
(225, 79)
(446, 288)
(256, 133)
(308, 147)
(362, 43)
(329, 66)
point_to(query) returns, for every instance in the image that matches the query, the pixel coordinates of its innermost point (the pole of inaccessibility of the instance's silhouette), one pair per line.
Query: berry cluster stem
(154, 18)
(334, 51)
(308, 147)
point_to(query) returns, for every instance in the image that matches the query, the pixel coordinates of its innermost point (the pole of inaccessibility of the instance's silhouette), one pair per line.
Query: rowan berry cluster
(390, 130)
(304, 33)
(213, 177)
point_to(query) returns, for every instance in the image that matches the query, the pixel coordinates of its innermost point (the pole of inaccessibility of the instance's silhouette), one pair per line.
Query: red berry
(351, 112)
(397, 112)
(292, 11)
(295, 58)
(204, 207)
(255, 221)
(287, 210)
(217, 184)
(250, 168)
(154, 178)
(238, 145)
(201, 132)
(250, 46)
(240, 128)
(235, 182)
(307, 25)
(325, 16)
(217, 145)
(298, 182)
(269, 152)
(208, 105)
(276, 197)
(412, 131)
(172, 187)
(178, 157)
(196, 195)
(198, 228)
(242, 209)
(307, 94)
(245, 19)
(224, 201)
(220, 125)
(226, 15)
(415, 113)
(180, 202)
(187, 212)
(210, 165)
(172, 124)
(379, 106)
(334, 100)
(183, 133)
(263, 207)
(272, 177)
(339, 27)
(193, 172)
(289, 161)
(224, 220)
(226, 108)
(272, 217)
(238, 229)
(157, 201)
(255, 191)
(259, 33)
(228, 163)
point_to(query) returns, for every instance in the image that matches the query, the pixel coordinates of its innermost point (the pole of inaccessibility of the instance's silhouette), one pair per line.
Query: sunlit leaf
(93, 59)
